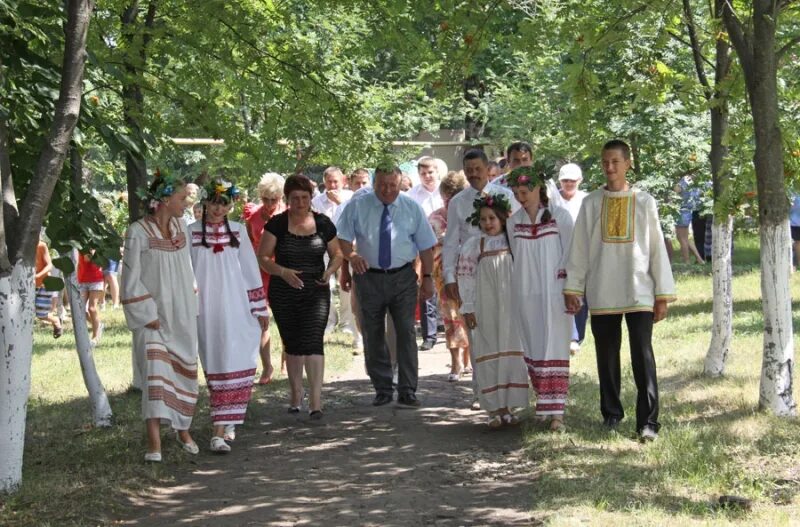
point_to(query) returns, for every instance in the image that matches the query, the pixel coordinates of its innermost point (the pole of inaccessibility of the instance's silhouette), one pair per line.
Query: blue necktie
(385, 244)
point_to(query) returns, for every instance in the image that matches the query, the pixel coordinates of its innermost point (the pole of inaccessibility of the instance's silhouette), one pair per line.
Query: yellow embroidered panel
(617, 218)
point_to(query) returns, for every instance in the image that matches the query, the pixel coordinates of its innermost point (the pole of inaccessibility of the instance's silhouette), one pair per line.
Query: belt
(388, 271)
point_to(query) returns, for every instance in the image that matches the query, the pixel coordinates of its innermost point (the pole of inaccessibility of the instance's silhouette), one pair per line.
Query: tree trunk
(722, 311)
(133, 103)
(722, 228)
(775, 393)
(17, 290)
(101, 409)
(16, 348)
(759, 59)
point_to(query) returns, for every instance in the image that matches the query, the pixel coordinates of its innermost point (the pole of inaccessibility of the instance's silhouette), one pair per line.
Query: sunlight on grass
(713, 441)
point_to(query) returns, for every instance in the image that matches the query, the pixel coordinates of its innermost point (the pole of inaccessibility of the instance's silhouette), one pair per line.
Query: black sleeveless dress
(301, 314)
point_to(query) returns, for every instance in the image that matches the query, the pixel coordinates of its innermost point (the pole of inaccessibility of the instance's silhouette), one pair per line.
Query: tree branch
(786, 47)
(697, 53)
(688, 44)
(54, 151)
(738, 37)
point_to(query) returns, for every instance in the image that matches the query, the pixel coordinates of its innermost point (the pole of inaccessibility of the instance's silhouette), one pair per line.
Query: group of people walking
(508, 264)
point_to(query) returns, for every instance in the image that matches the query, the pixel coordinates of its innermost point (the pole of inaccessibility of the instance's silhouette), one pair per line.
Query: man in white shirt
(329, 203)
(570, 198)
(459, 230)
(427, 195)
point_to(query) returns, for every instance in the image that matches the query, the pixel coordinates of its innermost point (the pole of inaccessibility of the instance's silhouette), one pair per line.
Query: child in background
(92, 288)
(44, 298)
(484, 273)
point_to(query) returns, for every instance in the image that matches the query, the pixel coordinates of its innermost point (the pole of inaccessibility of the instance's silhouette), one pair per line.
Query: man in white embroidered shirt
(618, 261)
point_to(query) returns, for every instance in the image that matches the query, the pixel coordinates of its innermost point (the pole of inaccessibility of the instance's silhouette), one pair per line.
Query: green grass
(75, 474)
(713, 441)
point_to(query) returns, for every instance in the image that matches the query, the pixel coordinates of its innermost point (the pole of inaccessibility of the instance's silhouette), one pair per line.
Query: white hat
(570, 171)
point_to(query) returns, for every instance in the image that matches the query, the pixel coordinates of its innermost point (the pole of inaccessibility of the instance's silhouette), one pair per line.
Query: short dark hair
(388, 170)
(619, 144)
(475, 153)
(519, 146)
(297, 182)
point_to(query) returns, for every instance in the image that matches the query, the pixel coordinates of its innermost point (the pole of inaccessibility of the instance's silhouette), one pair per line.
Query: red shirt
(88, 272)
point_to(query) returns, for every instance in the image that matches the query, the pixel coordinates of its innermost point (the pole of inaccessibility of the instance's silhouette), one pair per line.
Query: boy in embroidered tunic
(618, 261)
(484, 281)
(233, 310)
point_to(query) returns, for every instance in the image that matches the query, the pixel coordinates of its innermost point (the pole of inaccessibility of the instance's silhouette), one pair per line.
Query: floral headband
(221, 191)
(538, 174)
(164, 186)
(492, 201)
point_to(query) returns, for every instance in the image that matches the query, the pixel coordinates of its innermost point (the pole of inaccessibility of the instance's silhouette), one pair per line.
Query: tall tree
(754, 37)
(20, 231)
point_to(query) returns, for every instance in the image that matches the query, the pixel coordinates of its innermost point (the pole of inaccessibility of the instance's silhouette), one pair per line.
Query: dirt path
(362, 465)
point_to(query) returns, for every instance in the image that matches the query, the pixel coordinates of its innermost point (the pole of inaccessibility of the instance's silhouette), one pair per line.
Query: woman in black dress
(298, 292)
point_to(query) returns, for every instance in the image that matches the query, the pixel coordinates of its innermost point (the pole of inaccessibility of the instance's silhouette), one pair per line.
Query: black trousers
(607, 331)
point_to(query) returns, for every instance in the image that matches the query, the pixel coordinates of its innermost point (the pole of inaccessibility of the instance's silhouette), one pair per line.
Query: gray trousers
(396, 293)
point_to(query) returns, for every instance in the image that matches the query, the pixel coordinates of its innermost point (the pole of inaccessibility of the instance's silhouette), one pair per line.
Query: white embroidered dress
(231, 298)
(158, 284)
(540, 253)
(484, 272)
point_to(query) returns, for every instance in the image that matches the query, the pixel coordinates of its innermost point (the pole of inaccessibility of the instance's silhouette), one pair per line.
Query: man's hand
(358, 263)
(451, 290)
(333, 195)
(572, 303)
(345, 279)
(659, 311)
(426, 288)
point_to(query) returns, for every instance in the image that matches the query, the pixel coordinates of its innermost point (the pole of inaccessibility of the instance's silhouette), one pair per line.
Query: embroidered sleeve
(137, 302)
(252, 279)
(577, 259)
(466, 271)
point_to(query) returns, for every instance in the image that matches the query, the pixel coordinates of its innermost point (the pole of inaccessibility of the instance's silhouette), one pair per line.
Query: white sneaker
(648, 434)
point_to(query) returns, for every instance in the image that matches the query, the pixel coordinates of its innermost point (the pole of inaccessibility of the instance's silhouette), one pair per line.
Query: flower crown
(531, 176)
(488, 200)
(164, 186)
(219, 190)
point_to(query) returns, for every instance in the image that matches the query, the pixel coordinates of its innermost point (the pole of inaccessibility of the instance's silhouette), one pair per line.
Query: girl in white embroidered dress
(484, 282)
(233, 311)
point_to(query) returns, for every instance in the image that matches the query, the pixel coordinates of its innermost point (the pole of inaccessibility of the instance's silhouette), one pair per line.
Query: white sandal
(219, 445)
(153, 457)
(190, 447)
(494, 422)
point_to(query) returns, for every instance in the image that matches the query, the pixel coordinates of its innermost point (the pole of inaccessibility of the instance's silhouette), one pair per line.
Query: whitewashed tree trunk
(775, 393)
(722, 277)
(101, 409)
(16, 348)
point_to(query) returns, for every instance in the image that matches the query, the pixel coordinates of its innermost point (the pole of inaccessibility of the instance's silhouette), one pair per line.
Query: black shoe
(427, 345)
(294, 409)
(381, 399)
(612, 423)
(408, 399)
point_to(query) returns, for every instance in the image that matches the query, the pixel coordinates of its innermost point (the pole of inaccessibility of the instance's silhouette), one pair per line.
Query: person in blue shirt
(794, 222)
(388, 229)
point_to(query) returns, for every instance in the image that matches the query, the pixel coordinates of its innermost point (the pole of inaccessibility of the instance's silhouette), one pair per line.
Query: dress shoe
(612, 423)
(381, 399)
(408, 399)
(427, 345)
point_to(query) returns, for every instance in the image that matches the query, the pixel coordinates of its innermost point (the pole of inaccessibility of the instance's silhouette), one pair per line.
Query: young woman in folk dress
(233, 310)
